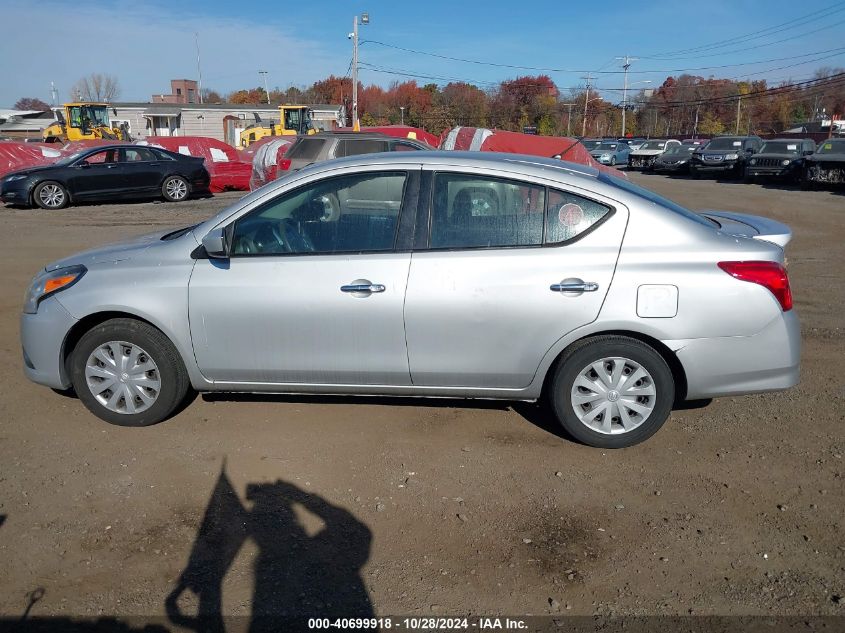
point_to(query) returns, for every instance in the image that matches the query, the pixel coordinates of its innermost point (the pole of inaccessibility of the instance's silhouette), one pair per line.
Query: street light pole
(402, 111)
(365, 19)
(266, 92)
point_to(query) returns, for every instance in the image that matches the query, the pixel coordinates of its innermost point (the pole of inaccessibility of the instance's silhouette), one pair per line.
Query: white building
(223, 121)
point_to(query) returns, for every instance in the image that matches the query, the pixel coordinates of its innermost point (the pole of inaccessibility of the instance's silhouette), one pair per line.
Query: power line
(771, 30)
(603, 72)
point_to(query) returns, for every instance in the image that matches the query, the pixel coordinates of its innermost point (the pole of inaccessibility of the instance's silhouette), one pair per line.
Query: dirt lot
(388, 506)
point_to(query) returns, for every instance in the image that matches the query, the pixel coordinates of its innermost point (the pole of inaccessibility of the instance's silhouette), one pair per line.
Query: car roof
(787, 140)
(358, 135)
(518, 163)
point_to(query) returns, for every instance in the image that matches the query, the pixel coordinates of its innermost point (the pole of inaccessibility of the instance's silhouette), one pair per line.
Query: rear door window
(306, 148)
(354, 147)
(569, 216)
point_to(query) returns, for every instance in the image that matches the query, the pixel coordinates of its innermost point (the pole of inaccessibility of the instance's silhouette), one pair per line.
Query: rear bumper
(42, 338)
(767, 361)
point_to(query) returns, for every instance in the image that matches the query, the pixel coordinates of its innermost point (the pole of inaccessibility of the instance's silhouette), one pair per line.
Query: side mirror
(83, 164)
(214, 244)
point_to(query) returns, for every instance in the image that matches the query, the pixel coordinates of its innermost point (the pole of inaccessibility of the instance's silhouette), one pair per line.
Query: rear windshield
(307, 148)
(780, 147)
(725, 143)
(630, 187)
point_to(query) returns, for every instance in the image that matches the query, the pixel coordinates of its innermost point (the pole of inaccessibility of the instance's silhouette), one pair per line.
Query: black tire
(175, 189)
(613, 161)
(693, 173)
(586, 352)
(171, 372)
(42, 200)
(748, 179)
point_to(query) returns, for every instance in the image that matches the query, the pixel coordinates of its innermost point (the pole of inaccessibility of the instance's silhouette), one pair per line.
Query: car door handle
(363, 288)
(574, 286)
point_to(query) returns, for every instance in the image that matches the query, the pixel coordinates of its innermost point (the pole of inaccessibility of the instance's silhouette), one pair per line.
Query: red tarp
(265, 163)
(400, 131)
(17, 156)
(225, 166)
(483, 140)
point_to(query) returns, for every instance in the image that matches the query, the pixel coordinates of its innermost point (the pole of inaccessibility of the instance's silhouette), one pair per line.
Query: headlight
(46, 284)
(731, 156)
(753, 161)
(606, 156)
(785, 162)
(14, 178)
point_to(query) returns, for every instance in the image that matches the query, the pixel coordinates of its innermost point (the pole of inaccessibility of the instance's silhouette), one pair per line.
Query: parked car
(459, 274)
(633, 143)
(107, 173)
(644, 156)
(827, 164)
(591, 143)
(674, 160)
(724, 155)
(611, 153)
(328, 145)
(781, 158)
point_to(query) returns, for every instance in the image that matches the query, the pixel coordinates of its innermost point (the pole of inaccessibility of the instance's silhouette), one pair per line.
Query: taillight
(284, 164)
(770, 275)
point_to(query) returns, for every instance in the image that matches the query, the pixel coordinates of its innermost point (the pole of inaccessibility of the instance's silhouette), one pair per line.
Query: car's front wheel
(175, 189)
(612, 392)
(128, 373)
(50, 195)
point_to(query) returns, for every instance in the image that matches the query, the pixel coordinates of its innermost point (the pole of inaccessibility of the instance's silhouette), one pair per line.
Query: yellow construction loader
(293, 119)
(84, 121)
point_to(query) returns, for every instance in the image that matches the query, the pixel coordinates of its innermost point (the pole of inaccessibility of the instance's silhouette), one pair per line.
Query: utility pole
(54, 94)
(266, 92)
(738, 103)
(695, 126)
(625, 66)
(199, 69)
(588, 78)
(402, 111)
(568, 117)
(365, 19)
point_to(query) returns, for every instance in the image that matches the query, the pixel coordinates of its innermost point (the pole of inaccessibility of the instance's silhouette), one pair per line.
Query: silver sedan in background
(438, 274)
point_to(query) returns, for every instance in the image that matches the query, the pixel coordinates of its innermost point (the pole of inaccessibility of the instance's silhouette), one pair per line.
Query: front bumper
(658, 166)
(775, 172)
(15, 192)
(725, 366)
(42, 337)
(641, 162)
(716, 168)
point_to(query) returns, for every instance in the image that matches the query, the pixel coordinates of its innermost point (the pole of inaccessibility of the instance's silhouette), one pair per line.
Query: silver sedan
(439, 274)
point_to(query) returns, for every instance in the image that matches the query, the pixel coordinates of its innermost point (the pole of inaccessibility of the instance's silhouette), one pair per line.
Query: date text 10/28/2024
(418, 624)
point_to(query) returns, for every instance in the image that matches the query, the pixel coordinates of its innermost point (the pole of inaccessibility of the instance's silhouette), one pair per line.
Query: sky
(145, 43)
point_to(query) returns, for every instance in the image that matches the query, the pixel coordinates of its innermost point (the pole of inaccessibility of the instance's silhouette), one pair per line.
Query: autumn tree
(31, 103)
(96, 87)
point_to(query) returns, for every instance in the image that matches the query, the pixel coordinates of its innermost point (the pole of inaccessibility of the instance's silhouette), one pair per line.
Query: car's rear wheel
(612, 392)
(50, 195)
(128, 373)
(175, 189)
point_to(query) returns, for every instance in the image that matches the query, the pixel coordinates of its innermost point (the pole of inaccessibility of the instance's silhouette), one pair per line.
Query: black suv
(327, 145)
(725, 155)
(781, 158)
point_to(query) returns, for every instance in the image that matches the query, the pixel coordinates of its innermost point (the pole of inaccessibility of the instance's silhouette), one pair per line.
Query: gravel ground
(386, 506)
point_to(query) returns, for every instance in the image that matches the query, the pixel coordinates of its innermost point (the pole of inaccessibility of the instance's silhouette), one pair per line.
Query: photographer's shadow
(296, 574)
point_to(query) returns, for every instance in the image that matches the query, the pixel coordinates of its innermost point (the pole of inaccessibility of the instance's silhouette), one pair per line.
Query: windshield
(630, 187)
(89, 116)
(590, 144)
(608, 146)
(70, 159)
(832, 147)
(725, 143)
(780, 147)
(653, 145)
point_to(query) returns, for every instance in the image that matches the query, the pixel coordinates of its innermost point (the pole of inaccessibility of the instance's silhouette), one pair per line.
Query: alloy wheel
(176, 188)
(52, 196)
